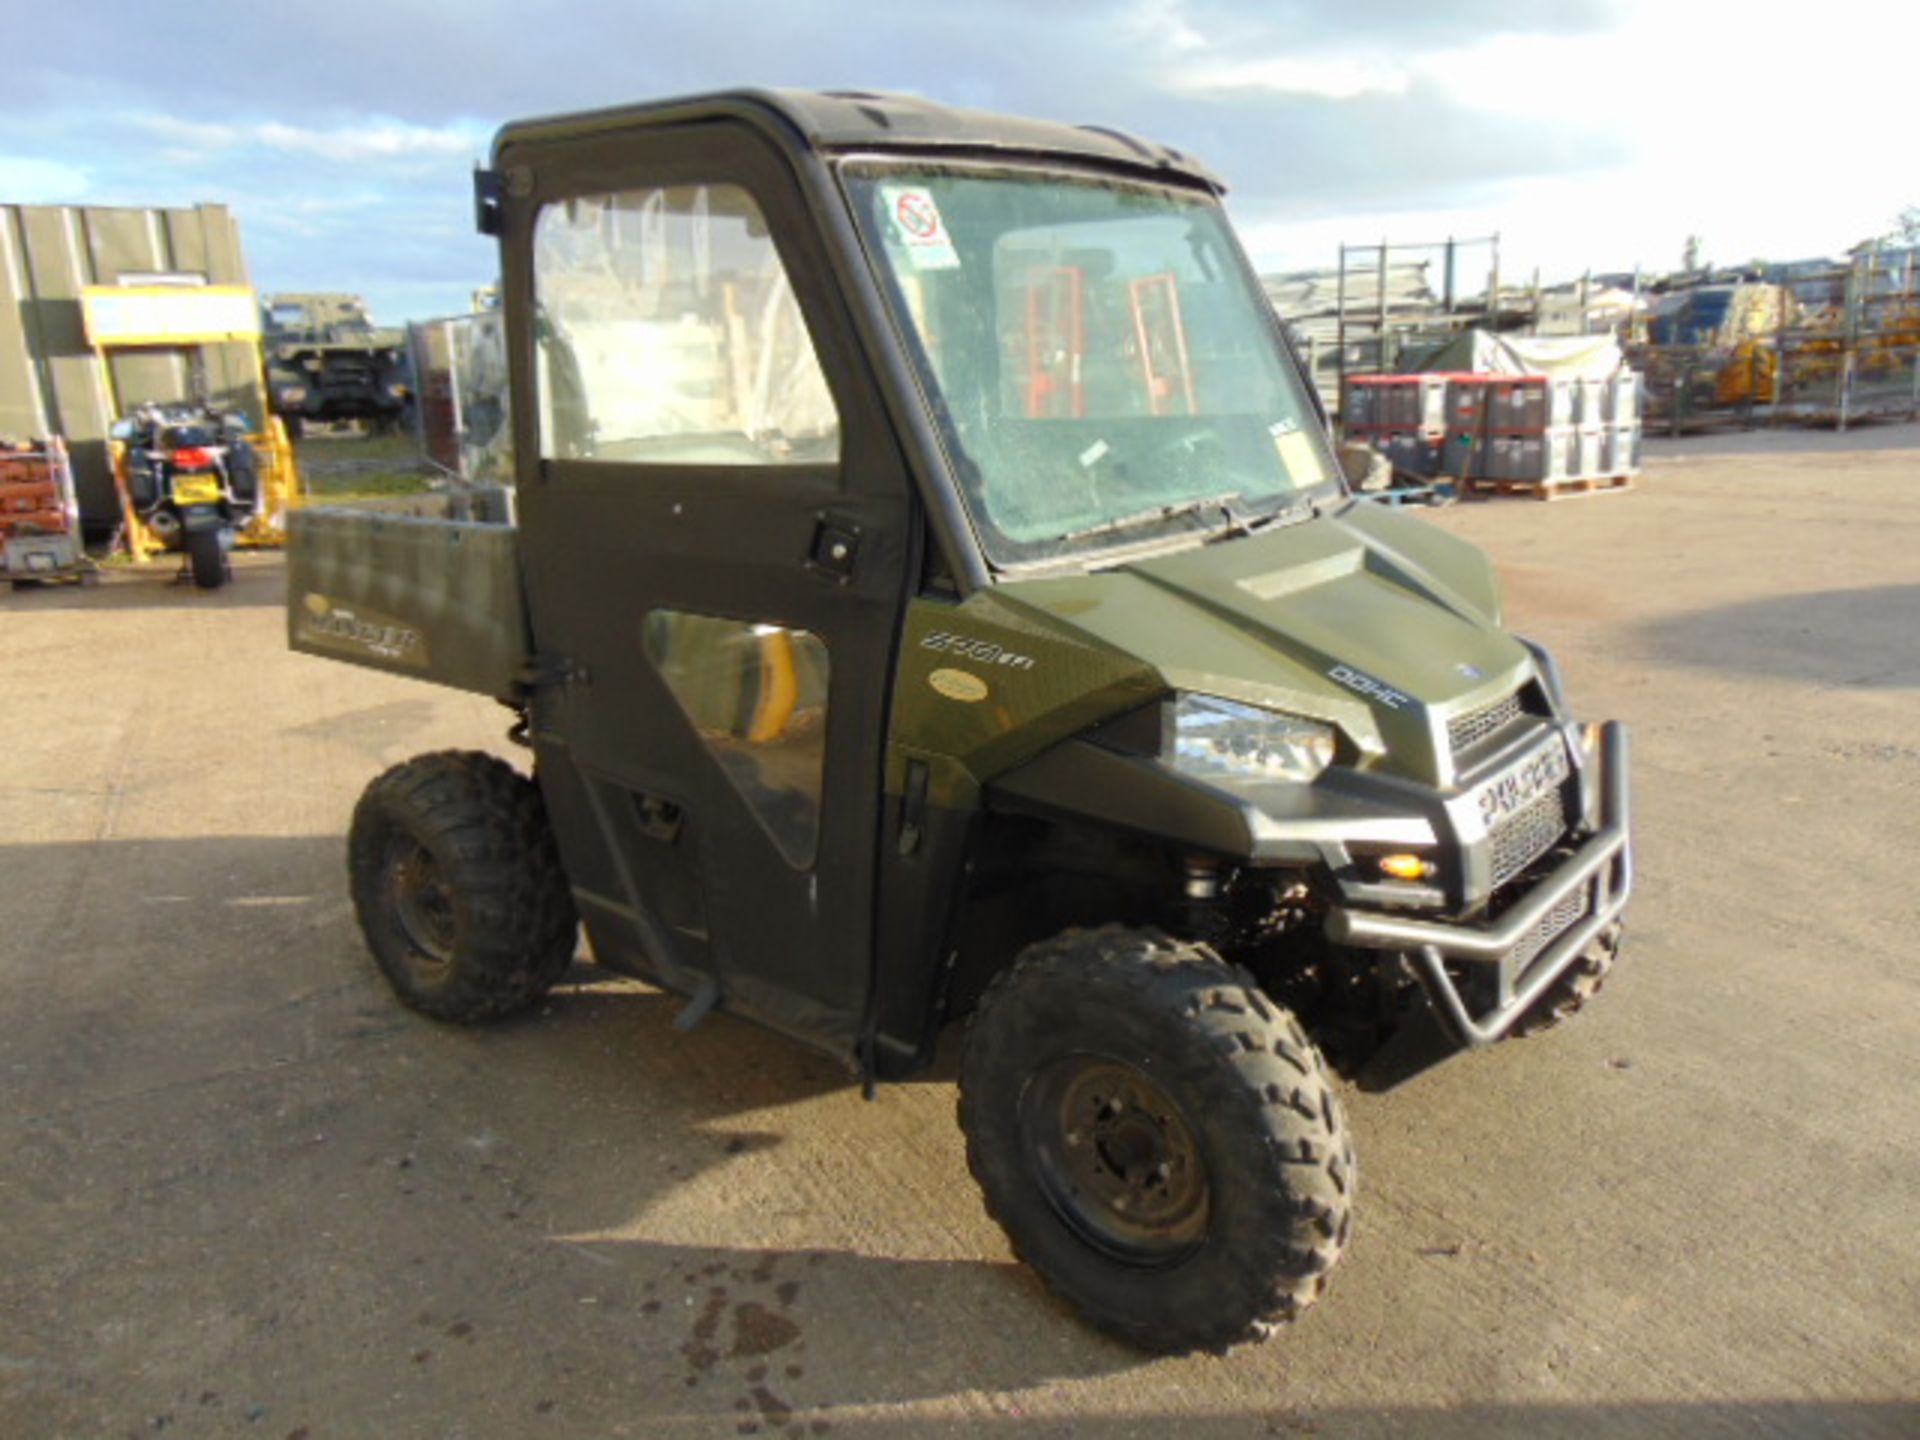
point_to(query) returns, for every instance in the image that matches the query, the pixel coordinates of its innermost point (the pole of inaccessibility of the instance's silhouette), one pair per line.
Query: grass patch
(399, 445)
(351, 467)
(353, 485)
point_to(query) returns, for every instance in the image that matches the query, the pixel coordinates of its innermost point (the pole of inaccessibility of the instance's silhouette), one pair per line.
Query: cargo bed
(437, 600)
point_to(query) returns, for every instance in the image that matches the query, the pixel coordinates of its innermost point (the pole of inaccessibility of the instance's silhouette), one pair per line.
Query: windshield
(1105, 370)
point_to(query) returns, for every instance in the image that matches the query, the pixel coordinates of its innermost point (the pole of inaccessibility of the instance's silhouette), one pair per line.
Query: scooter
(193, 482)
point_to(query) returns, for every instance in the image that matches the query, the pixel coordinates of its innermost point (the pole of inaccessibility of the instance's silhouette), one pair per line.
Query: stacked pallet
(1404, 417)
(1546, 435)
(39, 514)
(1553, 435)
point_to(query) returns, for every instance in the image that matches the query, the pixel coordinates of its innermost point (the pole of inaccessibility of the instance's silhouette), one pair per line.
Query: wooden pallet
(1565, 488)
(1409, 489)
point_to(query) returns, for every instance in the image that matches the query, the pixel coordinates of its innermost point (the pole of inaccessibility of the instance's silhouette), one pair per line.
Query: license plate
(40, 560)
(196, 490)
(1524, 783)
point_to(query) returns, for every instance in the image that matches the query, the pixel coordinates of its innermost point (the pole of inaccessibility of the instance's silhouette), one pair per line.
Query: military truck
(933, 598)
(326, 361)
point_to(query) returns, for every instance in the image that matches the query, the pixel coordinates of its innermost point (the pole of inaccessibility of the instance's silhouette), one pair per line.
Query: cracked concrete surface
(243, 1193)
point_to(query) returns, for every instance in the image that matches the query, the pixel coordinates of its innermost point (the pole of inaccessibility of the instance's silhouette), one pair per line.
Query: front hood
(1377, 623)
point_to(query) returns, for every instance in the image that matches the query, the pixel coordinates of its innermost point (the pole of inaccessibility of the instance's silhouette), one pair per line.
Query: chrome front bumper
(1599, 873)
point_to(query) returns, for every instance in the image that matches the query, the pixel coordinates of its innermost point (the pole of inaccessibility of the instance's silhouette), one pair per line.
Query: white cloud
(28, 180)
(1163, 24)
(1329, 78)
(375, 139)
(1682, 123)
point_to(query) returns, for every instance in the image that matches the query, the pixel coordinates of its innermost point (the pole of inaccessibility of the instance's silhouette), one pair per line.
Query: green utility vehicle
(930, 595)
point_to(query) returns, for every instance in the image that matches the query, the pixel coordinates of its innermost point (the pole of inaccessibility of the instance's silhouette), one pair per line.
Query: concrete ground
(243, 1193)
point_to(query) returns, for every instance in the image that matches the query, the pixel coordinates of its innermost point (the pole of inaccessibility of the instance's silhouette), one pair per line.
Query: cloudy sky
(1588, 132)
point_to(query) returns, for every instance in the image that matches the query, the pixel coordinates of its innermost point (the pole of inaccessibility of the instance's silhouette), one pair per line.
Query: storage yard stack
(39, 515)
(1404, 417)
(1623, 424)
(1546, 435)
(1552, 435)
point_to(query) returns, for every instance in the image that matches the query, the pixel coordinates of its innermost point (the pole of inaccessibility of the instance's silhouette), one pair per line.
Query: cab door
(715, 520)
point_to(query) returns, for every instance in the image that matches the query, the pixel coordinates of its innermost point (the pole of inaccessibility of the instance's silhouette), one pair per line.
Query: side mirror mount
(489, 191)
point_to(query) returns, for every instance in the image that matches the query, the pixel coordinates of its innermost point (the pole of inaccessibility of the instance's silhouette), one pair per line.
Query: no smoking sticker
(917, 225)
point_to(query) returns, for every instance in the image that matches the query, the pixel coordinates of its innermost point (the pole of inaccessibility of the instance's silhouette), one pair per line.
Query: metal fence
(1847, 350)
(1810, 377)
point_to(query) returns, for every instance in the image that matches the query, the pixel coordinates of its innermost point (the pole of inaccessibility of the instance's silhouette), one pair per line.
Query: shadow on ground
(1782, 442)
(256, 1119)
(1829, 637)
(220, 1124)
(258, 579)
(1785, 1419)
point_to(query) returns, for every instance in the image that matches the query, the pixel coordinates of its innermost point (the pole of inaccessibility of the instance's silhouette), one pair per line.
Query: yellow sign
(961, 685)
(169, 314)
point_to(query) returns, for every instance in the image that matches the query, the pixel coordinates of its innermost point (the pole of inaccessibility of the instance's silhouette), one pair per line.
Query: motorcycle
(193, 482)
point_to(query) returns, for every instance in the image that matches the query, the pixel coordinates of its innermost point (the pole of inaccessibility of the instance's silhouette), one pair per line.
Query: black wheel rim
(1117, 1159)
(422, 906)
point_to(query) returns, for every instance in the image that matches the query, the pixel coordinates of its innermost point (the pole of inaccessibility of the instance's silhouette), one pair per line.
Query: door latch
(540, 671)
(835, 545)
(913, 808)
(659, 817)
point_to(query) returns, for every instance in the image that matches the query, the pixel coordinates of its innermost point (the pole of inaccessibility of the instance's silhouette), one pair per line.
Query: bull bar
(1602, 866)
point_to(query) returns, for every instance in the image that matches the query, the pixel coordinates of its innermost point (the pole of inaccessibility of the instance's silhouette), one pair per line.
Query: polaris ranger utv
(932, 596)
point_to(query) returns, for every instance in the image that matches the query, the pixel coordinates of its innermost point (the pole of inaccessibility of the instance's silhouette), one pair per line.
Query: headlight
(1215, 739)
(293, 394)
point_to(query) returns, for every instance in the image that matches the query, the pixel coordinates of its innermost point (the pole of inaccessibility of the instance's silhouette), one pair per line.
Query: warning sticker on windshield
(917, 225)
(1301, 459)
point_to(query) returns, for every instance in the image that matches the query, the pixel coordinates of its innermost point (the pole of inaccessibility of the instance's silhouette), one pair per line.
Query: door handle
(835, 546)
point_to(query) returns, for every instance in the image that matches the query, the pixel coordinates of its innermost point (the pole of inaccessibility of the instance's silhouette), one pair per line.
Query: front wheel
(207, 558)
(1158, 1139)
(1569, 995)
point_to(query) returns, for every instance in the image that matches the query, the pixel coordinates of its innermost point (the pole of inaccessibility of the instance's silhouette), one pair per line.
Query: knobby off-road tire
(205, 559)
(1570, 993)
(459, 888)
(1158, 1139)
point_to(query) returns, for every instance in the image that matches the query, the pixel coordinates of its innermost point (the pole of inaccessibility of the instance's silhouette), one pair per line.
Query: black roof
(838, 121)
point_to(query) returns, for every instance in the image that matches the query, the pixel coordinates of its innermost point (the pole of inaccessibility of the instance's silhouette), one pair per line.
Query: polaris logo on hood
(1366, 685)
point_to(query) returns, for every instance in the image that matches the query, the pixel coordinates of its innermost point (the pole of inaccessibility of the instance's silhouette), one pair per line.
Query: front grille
(1544, 930)
(1525, 836)
(1468, 730)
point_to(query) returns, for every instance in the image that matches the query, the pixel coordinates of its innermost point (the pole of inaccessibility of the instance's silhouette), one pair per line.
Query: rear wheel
(206, 558)
(1158, 1139)
(458, 886)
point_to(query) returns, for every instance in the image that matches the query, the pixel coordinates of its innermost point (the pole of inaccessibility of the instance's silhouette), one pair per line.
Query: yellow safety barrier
(280, 491)
(279, 487)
